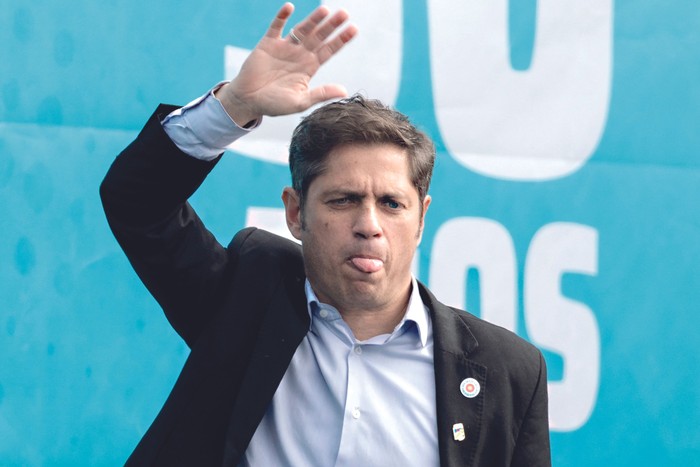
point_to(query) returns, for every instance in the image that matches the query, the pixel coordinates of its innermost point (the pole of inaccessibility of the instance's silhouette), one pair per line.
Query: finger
(332, 47)
(326, 92)
(323, 31)
(308, 24)
(277, 25)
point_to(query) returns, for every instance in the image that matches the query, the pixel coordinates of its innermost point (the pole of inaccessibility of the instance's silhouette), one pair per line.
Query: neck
(367, 315)
(366, 324)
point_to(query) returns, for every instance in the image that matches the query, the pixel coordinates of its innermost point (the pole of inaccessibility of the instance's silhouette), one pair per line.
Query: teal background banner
(565, 201)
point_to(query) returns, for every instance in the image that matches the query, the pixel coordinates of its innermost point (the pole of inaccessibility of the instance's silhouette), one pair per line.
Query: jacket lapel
(453, 343)
(286, 322)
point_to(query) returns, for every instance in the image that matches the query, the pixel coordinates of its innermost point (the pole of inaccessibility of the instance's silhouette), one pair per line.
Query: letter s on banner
(371, 63)
(539, 124)
(560, 324)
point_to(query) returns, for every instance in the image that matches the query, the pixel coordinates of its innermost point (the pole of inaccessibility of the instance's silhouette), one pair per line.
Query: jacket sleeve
(532, 447)
(144, 196)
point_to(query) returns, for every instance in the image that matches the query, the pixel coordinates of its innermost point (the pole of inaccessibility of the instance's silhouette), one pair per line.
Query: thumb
(327, 92)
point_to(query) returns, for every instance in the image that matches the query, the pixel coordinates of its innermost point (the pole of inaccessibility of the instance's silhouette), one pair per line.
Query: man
(328, 353)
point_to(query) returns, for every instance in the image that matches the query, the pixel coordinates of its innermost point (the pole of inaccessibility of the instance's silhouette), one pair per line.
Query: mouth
(366, 264)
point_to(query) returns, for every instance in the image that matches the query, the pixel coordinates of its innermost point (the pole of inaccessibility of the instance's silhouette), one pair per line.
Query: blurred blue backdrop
(586, 242)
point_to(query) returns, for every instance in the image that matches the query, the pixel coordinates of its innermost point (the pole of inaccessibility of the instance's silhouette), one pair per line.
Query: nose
(367, 224)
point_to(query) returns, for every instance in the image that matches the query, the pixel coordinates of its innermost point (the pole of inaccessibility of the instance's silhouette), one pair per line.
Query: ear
(426, 204)
(292, 211)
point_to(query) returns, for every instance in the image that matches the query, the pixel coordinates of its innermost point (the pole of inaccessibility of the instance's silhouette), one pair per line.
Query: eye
(391, 203)
(344, 201)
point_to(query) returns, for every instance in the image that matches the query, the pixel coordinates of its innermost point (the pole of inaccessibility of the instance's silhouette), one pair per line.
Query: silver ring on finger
(294, 37)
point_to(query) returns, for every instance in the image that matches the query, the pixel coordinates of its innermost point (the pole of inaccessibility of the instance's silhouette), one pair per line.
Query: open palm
(274, 79)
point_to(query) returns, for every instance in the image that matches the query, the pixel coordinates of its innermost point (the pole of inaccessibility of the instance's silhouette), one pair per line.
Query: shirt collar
(416, 311)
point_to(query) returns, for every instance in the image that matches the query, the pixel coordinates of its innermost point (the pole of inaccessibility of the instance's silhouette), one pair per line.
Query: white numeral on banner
(539, 124)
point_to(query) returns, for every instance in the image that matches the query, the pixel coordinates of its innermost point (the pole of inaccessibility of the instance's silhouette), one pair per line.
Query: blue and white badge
(458, 432)
(470, 388)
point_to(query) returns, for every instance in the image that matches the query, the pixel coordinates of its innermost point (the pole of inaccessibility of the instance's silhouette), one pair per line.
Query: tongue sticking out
(367, 264)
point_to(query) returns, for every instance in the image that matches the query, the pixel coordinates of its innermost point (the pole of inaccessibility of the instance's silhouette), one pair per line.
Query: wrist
(236, 108)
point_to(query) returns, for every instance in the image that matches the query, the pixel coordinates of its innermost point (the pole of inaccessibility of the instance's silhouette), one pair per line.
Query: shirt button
(323, 313)
(358, 350)
(356, 413)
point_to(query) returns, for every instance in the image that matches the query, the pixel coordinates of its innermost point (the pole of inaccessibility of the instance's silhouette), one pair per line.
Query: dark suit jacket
(242, 311)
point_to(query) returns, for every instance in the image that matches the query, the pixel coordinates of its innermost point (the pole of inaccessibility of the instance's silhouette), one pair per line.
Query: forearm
(144, 195)
(151, 177)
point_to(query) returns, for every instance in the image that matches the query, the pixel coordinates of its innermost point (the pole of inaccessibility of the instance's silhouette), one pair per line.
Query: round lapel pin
(470, 388)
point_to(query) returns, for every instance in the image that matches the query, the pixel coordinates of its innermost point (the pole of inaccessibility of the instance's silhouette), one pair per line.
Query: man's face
(362, 222)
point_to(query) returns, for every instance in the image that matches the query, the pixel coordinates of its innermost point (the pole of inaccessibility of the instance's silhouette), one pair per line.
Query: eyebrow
(361, 195)
(345, 194)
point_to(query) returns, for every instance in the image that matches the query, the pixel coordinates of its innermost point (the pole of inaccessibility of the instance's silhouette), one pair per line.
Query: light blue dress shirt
(342, 402)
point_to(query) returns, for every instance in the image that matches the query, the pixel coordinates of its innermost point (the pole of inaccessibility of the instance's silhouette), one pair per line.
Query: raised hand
(274, 79)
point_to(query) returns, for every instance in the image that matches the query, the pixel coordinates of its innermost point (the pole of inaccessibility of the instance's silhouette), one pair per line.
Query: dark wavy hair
(357, 120)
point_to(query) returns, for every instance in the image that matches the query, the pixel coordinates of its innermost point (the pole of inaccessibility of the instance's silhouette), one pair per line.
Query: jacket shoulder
(490, 335)
(256, 249)
(460, 332)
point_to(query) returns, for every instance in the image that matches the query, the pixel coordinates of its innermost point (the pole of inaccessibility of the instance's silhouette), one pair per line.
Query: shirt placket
(355, 417)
